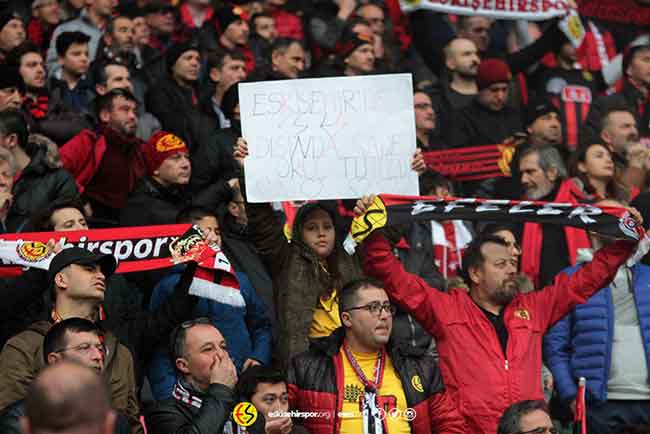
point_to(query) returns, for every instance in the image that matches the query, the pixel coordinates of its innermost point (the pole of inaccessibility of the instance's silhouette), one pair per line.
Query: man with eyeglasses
(526, 417)
(203, 396)
(358, 382)
(490, 339)
(75, 340)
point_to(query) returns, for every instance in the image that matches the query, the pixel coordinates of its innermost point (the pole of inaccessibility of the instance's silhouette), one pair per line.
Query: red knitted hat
(160, 146)
(492, 71)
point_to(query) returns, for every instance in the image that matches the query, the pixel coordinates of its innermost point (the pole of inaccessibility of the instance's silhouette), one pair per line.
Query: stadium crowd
(125, 113)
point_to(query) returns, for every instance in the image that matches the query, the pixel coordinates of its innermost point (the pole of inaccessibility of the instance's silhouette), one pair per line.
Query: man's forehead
(201, 334)
(372, 293)
(74, 336)
(494, 251)
(271, 388)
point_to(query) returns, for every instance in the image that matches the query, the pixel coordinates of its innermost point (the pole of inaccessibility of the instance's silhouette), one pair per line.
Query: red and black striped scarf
(37, 107)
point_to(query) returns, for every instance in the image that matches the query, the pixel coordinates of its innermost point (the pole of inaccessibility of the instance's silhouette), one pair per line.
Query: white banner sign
(328, 138)
(532, 10)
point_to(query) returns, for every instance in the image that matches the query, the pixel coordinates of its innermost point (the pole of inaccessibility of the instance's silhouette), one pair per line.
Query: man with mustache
(490, 339)
(621, 134)
(364, 384)
(75, 340)
(107, 163)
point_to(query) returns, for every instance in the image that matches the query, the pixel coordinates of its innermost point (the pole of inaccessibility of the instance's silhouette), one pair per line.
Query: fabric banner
(532, 10)
(636, 12)
(139, 248)
(471, 163)
(390, 210)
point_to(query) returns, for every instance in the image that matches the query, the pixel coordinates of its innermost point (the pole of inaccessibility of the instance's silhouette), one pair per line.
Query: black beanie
(227, 15)
(6, 17)
(177, 50)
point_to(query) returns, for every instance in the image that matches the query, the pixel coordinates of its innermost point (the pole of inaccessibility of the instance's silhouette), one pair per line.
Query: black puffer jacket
(150, 203)
(39, 185)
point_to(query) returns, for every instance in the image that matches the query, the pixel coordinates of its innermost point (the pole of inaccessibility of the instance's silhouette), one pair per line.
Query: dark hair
(192, 213)
(178, 337)
(110, 26)
(283, 44)
(66, 39)
(255, 17)
(633, 429)
(493, 228)
(13, 122)
(473, 257)
(99, 70)
(614, 109)
(217, 57)
(509, 422)
(230, 100)
(105, 102)
(255, 375)
(15, 56)
(430, 180)
(55, 339)
(348, 294)
(579, 156)
(41, 220)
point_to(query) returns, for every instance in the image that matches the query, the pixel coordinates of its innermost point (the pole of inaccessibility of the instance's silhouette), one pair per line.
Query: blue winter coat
(247, 330)
(580, 344)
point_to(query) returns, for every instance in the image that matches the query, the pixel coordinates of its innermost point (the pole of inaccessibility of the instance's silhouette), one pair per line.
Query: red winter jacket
(316, 385)
(475, 371)
(82, 155)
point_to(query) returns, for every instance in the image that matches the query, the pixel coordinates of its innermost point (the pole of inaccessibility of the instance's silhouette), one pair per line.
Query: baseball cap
(79, 256)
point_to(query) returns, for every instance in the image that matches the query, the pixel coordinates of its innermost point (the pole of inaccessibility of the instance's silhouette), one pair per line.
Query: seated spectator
(92, 21)
(69, 396)
(262, 35)
(12, 33)
(111, 75)
(266, 389)
(160, 17)
(108, 162)
(225, 69)
(357, 55)
(38, 183)
(74, 340)
(343, 368)
(163, 192)
(7, 173)
(425, 120)
(203, 396)
(526, 417)
(70, 83)
(233, 31)
(593, 169)
(175, 99)
(78, 278)
(46, 15)
(45, 113)
(287, 59)
(12, 88)
(288, 22)
(247, 328)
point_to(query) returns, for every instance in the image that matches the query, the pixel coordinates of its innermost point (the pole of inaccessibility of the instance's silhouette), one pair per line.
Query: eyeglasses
(85, 348)
(375, 308)
(540, 430)
(423, 106)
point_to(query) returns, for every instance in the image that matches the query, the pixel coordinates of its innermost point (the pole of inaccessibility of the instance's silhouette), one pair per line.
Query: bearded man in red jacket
(490, 338)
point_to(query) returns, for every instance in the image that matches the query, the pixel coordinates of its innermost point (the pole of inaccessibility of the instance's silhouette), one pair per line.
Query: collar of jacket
(633, 94)
(155, 189)
(331, 345)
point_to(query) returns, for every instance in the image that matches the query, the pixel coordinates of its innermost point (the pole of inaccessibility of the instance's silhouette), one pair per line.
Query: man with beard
(489, 338)
(462, 61)
(621, 134)
(107, 163)
(374, 382)
(542, 171)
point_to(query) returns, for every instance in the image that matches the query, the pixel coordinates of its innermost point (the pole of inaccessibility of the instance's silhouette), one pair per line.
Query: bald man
(68, 398)
(462, 60)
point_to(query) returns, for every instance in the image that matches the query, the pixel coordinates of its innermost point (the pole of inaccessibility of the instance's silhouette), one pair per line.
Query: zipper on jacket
(506, 364)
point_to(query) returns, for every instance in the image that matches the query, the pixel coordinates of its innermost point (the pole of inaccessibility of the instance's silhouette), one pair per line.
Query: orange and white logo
(169, 142)
(523, 314)
(33, 251)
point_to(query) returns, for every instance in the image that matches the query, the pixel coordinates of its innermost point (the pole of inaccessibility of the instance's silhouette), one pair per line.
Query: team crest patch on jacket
(523, 314)
(416, 382)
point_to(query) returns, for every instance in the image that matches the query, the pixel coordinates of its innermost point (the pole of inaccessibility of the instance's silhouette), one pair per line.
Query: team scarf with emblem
(372, 418)
(472, 163)
(141, 248)
(387, 210)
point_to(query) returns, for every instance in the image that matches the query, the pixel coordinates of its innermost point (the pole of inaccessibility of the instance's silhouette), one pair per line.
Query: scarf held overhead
(388, 210)
(139, 248)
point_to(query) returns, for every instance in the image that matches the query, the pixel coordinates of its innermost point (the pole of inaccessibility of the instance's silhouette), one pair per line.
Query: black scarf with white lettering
(388, 210)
